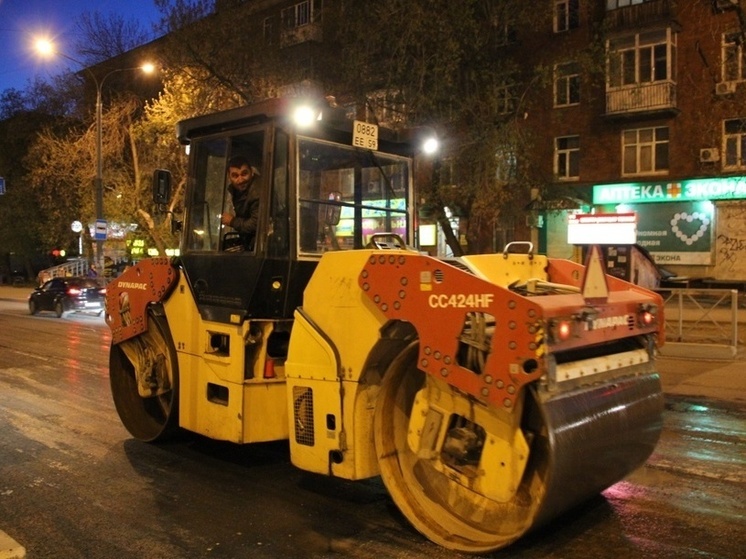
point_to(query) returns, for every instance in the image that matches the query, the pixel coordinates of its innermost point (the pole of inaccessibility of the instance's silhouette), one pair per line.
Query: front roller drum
(569, 443)
(143, 373)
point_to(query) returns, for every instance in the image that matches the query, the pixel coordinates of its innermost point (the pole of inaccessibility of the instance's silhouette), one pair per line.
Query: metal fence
(76, 267)
(702, 322)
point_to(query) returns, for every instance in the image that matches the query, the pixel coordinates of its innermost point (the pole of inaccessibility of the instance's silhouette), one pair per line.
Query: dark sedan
(61, 295)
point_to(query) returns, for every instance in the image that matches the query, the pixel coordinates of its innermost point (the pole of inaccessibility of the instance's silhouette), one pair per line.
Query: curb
(711, 352)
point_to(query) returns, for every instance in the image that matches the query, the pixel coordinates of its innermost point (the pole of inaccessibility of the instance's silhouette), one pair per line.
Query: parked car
(61, 295)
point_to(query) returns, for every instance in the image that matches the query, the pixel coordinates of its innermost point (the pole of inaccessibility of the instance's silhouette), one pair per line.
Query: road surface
(73, 484)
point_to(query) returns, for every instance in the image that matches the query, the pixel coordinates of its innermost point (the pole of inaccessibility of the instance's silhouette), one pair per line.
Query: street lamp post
(99, 180)
(47, 48)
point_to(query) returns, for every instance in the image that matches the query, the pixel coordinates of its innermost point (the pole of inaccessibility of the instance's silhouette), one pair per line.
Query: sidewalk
(10, 293)
(722, 380)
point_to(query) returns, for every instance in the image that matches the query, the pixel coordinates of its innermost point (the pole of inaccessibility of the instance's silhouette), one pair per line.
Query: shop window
(566, 84)
(734, 65)
(567, 157)
(645, 151)
(566, 15)
(734, 139)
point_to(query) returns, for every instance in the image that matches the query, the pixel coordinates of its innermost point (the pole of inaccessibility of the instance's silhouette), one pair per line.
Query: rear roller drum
(144, 382)
(475, 478)
(456, 469)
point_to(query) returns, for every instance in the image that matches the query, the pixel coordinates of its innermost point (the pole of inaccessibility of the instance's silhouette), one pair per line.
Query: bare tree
(178, 14)
(104, 37)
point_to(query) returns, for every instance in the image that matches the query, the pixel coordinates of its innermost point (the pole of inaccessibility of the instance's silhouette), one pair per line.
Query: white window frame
(566, 15)
(645, 146)
(566, 84)
(633, 56)
(506, 164)
(734, 144)
(733, 57)
(567, 158)
(505, 98)
(301, 14)
(612, 5)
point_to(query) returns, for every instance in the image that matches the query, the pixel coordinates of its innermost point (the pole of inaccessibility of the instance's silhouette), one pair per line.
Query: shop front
(694, 228)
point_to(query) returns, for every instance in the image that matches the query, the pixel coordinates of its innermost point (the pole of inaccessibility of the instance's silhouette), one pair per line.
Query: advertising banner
(676, 233)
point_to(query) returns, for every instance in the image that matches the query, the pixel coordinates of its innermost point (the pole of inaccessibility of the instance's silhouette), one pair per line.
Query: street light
(46, 48)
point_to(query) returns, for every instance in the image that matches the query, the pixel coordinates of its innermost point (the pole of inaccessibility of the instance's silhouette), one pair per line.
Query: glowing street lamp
(46, 48)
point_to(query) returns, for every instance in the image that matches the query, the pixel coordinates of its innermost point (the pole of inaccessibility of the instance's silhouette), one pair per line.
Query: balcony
(638, 100)
(301, 34)
(639, 15)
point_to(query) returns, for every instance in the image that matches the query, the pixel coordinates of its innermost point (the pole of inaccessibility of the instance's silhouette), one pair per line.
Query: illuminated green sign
(729, 188)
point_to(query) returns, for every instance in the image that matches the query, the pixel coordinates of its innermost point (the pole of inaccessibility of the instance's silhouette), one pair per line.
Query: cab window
(210, 196)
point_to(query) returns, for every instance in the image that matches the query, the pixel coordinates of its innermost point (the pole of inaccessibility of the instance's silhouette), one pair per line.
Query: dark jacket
(246, 206)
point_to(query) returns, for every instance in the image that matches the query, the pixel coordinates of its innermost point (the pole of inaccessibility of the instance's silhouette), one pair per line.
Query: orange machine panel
(128, 296)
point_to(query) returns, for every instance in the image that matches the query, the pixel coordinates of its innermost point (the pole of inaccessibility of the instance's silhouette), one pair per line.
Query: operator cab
(317, 192)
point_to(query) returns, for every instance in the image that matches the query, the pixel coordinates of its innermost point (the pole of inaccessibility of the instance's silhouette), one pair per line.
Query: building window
(267, 31)
(505, 33)
(506, 164)
(386, 109)
(647, 57)
(734, 136)
(567, 157)
(645, 151)
(566, 15)
(301, 14)
(734, 68)
(504, 99)
(566, 84)
(616, 4)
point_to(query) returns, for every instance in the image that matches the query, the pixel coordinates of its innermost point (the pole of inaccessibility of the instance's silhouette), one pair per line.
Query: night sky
(22, 20)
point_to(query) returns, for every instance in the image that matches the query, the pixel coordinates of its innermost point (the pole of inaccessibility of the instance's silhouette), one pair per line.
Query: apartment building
(645, 114)
(662, 133)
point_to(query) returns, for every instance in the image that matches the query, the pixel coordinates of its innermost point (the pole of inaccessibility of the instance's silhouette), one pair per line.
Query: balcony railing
(651, 97)
(637, 14)
(302, 34)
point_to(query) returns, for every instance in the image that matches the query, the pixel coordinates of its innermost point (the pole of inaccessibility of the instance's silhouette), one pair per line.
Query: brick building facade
(644, 112)
(661, 131)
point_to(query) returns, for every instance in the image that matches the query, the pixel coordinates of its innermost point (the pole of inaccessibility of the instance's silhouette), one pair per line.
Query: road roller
(491, 392)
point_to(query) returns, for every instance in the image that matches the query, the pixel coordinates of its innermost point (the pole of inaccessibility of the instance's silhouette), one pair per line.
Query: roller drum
(594, 437)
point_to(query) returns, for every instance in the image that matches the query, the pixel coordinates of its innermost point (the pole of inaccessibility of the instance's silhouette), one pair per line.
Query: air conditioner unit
(725, 88)
(709, 155)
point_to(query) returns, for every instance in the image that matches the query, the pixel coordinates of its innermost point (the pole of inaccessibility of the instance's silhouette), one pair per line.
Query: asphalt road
(73, 484)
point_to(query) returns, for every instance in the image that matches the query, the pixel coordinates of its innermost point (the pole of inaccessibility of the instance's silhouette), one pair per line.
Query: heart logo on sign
(693, 218)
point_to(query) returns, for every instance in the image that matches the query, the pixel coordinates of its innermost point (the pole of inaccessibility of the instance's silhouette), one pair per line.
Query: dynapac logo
(132, 285)
(609, 322)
